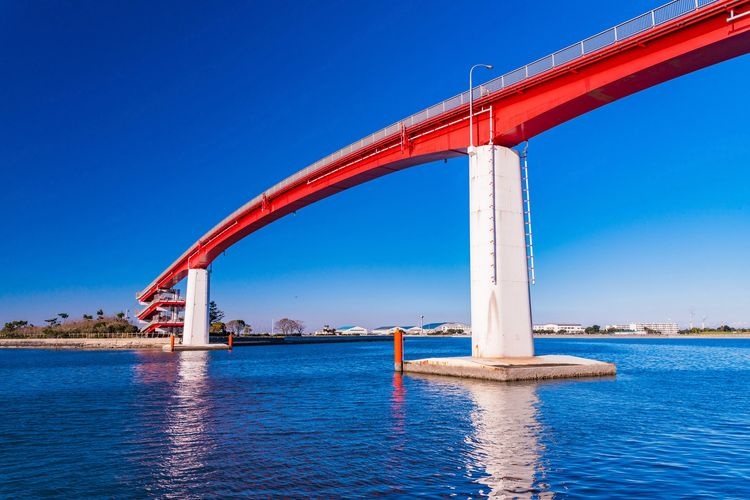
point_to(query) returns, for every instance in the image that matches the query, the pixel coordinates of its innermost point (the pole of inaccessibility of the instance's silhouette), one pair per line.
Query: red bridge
(675, 39)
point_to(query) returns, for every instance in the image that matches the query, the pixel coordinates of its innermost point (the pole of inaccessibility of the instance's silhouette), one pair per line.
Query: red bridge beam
(507, 117)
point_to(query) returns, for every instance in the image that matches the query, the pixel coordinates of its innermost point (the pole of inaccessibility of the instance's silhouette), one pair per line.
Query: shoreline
(159, 343)
(84, 343)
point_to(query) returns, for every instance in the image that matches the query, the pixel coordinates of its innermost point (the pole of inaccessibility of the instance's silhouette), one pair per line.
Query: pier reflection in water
(187, 442)
(182, 427)
(506, 454)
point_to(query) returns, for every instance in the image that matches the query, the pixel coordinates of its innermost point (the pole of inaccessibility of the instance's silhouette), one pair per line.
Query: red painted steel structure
(710, 34)
(153, 327)
(153, 308)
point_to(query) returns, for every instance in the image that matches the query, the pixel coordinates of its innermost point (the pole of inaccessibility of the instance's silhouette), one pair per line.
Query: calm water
(334, 421)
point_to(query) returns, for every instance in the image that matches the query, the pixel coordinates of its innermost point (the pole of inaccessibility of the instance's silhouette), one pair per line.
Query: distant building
(643, 328)
(388, 330)
(447, 328)
(383, 330)
(569, 328)
(351, 330)
(326, 330)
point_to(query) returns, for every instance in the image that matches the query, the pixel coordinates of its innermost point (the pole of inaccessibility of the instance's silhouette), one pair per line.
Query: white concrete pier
(195, 332)
(502, 343)
(500, 304)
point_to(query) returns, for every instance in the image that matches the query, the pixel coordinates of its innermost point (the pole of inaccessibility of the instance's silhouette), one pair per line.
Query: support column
(500, 303)
(195, 331)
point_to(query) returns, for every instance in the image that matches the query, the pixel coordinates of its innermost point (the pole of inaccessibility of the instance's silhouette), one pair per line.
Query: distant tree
(214, 313)
(283, 326)
(51, 321)
(593, 329)
(12, 326)
(289, 326)
(298, 326)
(64, 316)
(87, 316)
(120, 315)
(246, 330)
(725, 328)
(329, 330)
(236, 326)
(100, 314)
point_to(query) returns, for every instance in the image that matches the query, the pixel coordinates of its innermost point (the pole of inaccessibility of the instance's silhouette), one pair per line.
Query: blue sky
(129, 129)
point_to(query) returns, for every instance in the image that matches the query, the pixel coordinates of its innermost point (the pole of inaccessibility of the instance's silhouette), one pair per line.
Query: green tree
(100, 314)
(63, 316)
(120, 315)
(214, 313)
(12, 326)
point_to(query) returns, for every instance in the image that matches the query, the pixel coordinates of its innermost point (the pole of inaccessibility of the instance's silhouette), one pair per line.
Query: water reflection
(398, 413)
(153, 368)
(187, 443)
(506, 438)
(505, 450)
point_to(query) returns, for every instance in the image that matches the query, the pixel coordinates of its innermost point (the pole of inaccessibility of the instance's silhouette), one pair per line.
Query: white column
(500, 304)
(195, 331)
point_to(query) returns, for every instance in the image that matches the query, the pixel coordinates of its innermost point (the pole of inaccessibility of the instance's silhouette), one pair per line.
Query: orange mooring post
(171, 343)
(230, 340)
(398, 350)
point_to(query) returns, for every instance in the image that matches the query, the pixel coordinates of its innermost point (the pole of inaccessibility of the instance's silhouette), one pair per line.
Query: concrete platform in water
(204, 347)
(512, 369)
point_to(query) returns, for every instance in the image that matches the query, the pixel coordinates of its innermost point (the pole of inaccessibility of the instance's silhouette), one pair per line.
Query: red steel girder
(519, 112)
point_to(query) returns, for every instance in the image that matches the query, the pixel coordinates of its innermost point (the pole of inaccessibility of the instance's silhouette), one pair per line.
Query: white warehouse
(570, 328)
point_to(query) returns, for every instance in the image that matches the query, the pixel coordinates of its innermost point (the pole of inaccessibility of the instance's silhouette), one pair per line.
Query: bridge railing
(622, 31)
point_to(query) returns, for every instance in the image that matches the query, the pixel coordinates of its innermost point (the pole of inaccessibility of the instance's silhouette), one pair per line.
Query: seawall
(124, 343)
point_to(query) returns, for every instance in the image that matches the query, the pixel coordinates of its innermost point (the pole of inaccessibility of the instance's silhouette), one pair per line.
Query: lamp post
(421, 325)
(471, 105)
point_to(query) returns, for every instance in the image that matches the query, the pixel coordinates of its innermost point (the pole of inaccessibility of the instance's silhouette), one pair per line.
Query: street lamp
(421, 325)
(471, 105)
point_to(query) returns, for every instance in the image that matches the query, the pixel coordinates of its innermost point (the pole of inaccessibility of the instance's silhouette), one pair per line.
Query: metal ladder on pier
(529, 235)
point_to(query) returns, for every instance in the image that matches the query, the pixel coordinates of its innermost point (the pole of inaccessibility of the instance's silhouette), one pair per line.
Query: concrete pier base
(201, 347)
(512, 369)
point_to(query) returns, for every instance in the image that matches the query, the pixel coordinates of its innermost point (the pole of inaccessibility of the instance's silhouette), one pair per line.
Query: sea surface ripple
(332, 421)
